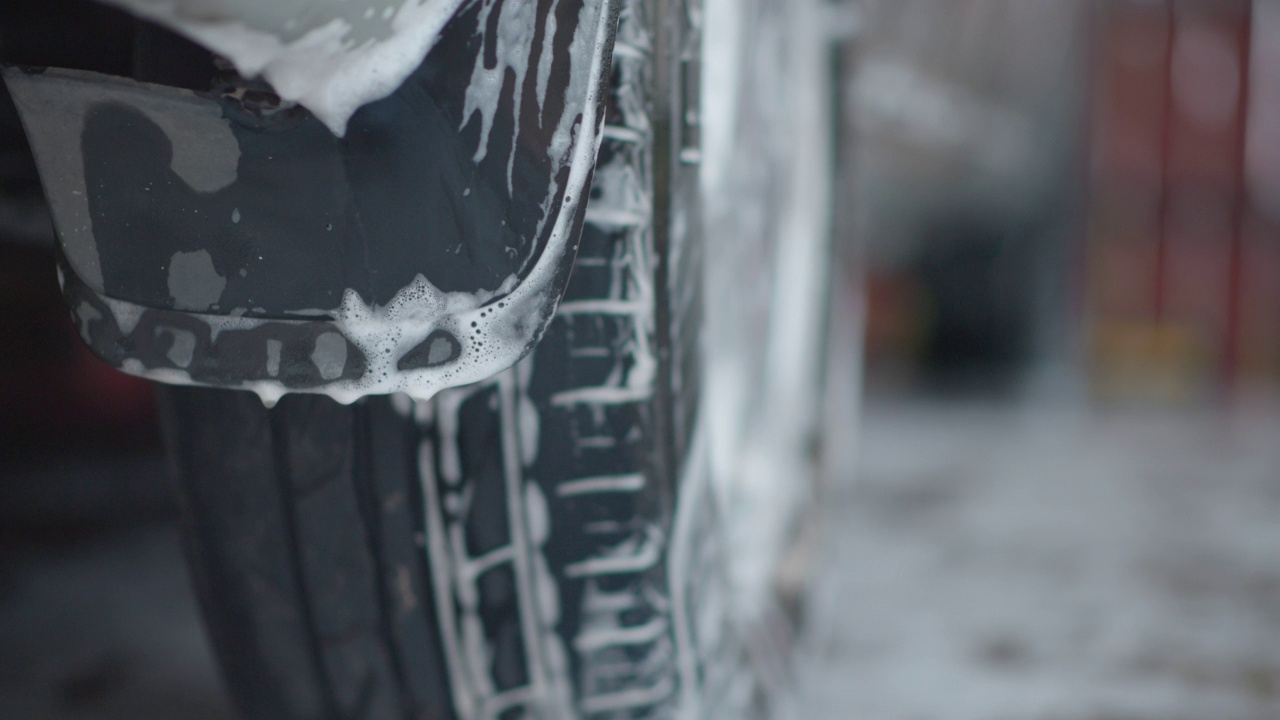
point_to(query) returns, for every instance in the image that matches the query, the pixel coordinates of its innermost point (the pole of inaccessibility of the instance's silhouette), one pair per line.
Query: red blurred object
(1176, 249)
(56, 396)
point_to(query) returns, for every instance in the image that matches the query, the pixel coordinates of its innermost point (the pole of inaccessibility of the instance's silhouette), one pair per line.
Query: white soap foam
(331, 70)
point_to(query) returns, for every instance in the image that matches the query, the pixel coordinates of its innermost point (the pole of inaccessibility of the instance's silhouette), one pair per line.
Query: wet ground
(985, 563)
(1048, 563)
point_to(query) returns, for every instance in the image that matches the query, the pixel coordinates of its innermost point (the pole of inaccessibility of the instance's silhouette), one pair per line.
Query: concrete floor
(1050, 563)
(984, 563)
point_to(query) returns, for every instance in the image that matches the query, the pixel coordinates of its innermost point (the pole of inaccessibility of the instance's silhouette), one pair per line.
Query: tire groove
(289, 516)
(362, 478)
(416, 494)
(364, 701)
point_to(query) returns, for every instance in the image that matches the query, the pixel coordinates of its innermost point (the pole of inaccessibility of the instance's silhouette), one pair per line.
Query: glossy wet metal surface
(449, 210)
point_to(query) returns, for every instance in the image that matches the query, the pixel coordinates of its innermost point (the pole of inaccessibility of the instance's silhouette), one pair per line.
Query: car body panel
(434, 237)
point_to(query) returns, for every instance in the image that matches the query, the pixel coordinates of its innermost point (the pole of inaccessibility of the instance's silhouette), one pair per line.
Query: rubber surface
(511, 548)
(300, 524)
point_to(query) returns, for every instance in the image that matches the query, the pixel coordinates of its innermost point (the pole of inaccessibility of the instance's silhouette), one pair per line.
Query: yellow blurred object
(1149, 362)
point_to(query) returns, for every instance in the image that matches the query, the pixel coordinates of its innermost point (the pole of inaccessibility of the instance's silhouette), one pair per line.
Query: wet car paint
(444, 221)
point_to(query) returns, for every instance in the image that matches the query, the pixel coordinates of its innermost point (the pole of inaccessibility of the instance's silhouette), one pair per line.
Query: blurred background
(1064, 499)
(1081, 188)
